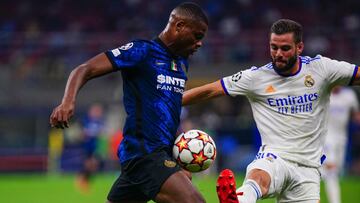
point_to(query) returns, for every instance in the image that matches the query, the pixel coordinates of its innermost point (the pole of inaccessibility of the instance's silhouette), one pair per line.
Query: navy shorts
(141, 178)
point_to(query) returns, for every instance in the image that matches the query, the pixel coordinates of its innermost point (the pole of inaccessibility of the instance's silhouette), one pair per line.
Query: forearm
(203, 93)
(78, 77)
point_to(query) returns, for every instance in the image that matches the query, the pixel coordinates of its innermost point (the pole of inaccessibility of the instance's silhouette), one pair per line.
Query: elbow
(83, 71)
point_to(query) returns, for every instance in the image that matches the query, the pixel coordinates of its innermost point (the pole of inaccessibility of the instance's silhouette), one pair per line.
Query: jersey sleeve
(238, 83)
(339, 72)
(128, 55)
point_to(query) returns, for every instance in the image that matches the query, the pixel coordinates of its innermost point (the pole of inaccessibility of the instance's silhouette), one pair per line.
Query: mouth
(280, 62)
(191, 52)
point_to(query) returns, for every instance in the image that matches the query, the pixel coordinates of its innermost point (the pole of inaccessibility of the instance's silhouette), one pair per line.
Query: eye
(285, 48)
(274, 47)
(198, 36)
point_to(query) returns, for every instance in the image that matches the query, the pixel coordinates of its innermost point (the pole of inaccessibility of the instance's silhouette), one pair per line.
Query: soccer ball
(194, 150)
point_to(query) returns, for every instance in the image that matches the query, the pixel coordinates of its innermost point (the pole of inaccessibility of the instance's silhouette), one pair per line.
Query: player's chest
(305, 83)
(168, 75)
(291, 95)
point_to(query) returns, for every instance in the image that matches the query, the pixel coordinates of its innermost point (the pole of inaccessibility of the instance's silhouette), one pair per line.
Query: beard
(289, 65)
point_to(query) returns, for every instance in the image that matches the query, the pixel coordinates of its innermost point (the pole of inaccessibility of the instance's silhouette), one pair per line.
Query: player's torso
(152, 98)
(290, 111)
(294, 101)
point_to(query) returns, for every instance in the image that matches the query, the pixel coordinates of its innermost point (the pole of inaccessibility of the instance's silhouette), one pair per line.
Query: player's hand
(61, 115)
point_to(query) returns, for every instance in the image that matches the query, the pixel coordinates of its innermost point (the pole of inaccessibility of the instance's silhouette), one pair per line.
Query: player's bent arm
(95, 67)
(203, 93)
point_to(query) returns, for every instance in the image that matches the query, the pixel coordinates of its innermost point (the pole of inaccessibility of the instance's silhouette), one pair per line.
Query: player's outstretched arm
(95, 67)
(203, 93)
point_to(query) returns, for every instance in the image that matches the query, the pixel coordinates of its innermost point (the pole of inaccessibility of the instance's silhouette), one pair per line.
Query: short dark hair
(193, 11)
(283, 26)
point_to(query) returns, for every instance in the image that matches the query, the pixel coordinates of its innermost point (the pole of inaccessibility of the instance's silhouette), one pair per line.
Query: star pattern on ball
(199, 158)
(182, 144)
(203, 137)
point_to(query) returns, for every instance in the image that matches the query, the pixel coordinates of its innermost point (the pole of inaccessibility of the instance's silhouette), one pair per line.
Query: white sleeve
(339, 72)
(238, 83)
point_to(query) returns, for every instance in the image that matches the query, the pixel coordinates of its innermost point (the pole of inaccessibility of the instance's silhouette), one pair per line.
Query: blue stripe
(354, 75)
(255, 188)
(322, 159)
(223, 86)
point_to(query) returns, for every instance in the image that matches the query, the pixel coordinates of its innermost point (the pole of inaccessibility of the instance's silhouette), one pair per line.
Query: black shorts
(142, 178)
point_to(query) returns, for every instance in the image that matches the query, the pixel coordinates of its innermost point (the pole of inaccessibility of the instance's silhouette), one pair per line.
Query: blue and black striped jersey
(153, 85)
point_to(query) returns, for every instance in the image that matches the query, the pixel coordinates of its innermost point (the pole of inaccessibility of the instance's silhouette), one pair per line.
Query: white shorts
(290, 182)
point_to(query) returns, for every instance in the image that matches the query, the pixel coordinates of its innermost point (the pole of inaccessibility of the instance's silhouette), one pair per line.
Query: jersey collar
(161, 43)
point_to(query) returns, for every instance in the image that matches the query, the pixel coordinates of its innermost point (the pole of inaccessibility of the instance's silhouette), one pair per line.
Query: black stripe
(111, 60)
(138, 116)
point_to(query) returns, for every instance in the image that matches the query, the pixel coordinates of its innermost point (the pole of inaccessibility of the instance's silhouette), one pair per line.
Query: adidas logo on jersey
(270, 89)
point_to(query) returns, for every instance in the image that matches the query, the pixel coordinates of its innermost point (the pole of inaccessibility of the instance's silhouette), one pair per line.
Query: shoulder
(265, 69)
(316, 63)
(308, 59)
(137, 44)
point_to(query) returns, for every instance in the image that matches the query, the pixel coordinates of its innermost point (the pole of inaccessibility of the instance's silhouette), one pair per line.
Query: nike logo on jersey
(160, 63)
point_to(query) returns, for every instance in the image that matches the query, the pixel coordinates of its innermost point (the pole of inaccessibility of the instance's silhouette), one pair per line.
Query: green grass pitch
(37, 188)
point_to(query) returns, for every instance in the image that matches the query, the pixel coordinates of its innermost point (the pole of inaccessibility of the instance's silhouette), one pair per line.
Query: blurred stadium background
(42, 41)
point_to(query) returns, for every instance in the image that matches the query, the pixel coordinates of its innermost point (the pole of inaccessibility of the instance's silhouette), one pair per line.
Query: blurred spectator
(93, 128)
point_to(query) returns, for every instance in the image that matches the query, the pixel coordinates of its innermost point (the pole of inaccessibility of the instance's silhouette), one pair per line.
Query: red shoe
(226, 187)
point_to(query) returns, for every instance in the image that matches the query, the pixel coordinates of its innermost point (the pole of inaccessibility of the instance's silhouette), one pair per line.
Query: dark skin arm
(95, 67)
(203, 93)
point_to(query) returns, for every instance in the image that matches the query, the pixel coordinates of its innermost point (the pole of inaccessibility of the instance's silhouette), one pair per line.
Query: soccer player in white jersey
(289, 98)
(343, 105)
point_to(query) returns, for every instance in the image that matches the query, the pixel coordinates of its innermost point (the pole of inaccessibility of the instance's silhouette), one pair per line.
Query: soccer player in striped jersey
(289, 98)
(343, 105)
(154, 76)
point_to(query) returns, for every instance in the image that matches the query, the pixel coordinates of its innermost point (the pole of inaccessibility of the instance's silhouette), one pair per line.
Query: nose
(278, 53)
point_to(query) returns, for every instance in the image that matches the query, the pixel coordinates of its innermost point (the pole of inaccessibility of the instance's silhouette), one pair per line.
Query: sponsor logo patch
(116, 52)
(169, 164)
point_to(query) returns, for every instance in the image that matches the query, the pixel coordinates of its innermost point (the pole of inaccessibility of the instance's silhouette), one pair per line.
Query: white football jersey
(291, 111)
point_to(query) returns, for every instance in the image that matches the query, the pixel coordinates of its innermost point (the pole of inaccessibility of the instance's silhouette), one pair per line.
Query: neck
(168, 41)
(287, 71)
(294, 69)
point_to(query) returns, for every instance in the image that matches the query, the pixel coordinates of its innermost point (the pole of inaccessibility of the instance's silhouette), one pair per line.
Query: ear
(300, 47)
(179, 25)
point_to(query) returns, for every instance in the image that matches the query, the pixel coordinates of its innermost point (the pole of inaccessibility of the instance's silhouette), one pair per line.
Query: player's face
(284, 51)
(190, 38)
